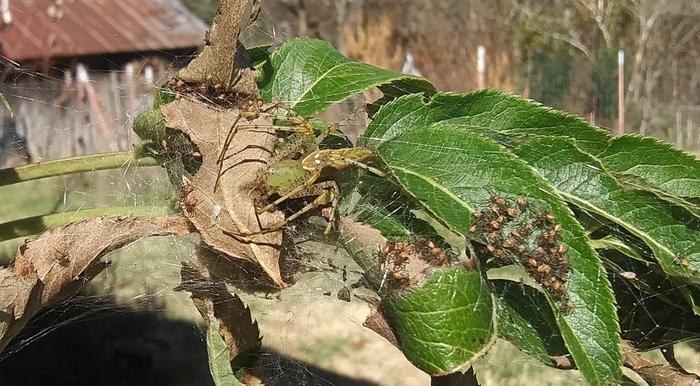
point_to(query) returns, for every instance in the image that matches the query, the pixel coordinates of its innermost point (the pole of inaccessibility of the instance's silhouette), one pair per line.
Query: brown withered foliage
(230, 210)
(56, 263)
(215, 303)
(217, 94)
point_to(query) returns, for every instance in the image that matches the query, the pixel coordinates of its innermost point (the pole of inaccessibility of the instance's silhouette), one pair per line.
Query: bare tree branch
(601, 12)
(648, 12)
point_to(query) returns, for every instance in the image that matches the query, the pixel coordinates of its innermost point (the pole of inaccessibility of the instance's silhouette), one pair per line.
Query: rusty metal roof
(42, 29)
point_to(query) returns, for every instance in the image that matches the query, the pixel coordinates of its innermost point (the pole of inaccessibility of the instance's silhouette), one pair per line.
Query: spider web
(131, 311)
(129, 314)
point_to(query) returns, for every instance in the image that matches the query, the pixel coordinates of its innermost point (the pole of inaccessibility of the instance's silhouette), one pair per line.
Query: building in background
(76, 72)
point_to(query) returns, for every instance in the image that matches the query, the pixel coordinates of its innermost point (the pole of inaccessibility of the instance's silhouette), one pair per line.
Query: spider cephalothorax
(301, 177)
(300, 169)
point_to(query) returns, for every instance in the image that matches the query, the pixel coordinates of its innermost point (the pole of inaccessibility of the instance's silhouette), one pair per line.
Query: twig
(34, 225)
(72, 165)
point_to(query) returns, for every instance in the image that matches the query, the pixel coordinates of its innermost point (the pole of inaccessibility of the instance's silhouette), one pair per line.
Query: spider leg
(319, 201)
(222, 154)
(292, 147)
(309, 182)
(335, 194)
(329, 193)
(370, 169)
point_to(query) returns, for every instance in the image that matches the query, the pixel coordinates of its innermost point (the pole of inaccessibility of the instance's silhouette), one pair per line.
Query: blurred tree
(561, 53)
(205, 9)
(550, 76)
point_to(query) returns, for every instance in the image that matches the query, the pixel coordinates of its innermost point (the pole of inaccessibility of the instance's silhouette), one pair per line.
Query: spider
(301, 128)
(299, 169)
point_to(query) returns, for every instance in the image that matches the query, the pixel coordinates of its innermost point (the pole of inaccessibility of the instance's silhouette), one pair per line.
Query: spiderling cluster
(399, 259)
(217, 94)
(513, 233)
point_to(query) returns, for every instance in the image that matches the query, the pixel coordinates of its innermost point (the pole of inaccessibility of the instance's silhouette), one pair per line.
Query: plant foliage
(455, 155)
(468, 186)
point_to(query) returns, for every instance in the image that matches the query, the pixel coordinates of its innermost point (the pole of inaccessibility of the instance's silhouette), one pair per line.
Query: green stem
(34, 225)
(85, 163)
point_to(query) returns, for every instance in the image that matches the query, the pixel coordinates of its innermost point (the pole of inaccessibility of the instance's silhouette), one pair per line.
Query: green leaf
(670, 232)
(615, 244)
(259, 55)
(163, 96)
(219, 358)
(453, 172)
(490, 111)
(446, 322)
(649, 164)
(392, 225)
(646, 162)
(150, 124)
(525, 319)
(308, 75)
(642, 162)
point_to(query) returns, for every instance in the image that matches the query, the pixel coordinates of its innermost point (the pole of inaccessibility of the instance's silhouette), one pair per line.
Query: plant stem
(72, 165)
(34, 225)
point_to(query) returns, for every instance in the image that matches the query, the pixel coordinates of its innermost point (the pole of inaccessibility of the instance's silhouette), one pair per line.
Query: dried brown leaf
(19, 293)
(214, 302)
(377, 323)
(222, 216)
(57, 262)
(218, 199)
(215, 63)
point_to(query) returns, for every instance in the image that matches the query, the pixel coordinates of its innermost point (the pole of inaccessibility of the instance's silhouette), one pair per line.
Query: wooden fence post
(481, 66)
(6, 14)
(620, 92)
(96, 112)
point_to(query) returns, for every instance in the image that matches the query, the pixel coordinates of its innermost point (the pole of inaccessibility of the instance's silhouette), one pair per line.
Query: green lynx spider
(294, 172)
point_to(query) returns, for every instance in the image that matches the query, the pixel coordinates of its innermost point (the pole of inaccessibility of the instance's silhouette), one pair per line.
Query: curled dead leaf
(17, 294)
(229, 210)
(56, 263)
(222, 310)
(213, 300)
(377, 323)
(215, 63)
(214, 89)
